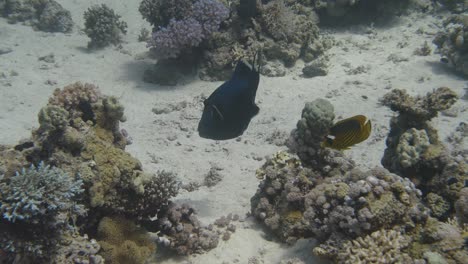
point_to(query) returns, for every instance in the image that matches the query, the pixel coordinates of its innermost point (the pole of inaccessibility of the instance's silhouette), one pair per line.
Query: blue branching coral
(37, 193)
(180, 35)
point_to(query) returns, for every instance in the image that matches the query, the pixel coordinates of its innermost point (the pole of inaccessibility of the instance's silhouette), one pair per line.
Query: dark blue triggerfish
(231, 106)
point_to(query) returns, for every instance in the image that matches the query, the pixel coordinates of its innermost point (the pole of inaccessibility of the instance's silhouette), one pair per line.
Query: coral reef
(103, 26)
(372, 216)
(44, 207)
(123, 242)
(451, 42)
(295, 202)
(212, 37)
(415, 151)
(177, 36)
(44, 15)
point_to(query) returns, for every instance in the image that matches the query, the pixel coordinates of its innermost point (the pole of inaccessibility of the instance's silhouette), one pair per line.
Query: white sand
(160, 137)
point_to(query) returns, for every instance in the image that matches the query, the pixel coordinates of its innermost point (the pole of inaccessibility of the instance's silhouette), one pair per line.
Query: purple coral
(177, 36)
(210, 13)
(180, 35)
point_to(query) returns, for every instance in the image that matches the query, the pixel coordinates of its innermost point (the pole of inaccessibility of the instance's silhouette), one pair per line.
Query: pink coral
(74, 94)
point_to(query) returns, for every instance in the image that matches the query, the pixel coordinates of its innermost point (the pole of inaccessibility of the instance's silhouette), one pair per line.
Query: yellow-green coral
(293, 216)
(113, 165)
(123, 242)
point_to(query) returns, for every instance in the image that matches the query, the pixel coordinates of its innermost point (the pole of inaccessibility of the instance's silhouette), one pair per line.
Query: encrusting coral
(415, 151)
(123, 242)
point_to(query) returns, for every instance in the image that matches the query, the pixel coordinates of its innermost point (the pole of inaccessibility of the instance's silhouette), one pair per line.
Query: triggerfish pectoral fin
(348, 132)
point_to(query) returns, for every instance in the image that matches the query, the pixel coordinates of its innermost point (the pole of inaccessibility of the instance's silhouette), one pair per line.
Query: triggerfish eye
(348, 132)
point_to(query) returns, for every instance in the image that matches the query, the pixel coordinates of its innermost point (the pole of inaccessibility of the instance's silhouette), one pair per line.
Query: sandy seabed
(170, 141)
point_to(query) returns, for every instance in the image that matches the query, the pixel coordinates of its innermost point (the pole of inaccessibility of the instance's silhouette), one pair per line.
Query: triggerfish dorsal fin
(348, 132)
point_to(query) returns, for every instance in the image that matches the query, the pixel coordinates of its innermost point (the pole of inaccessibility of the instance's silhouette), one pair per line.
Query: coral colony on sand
(44, 15)
(103, 26)
(73, 177)
(370, 216)
(213, 36)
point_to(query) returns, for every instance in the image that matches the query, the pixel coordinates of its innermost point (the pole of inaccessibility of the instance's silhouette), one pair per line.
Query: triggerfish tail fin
(348, 132)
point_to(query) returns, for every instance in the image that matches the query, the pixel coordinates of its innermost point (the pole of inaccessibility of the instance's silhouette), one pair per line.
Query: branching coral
(38, 206)
(382, 246)
(179, 36)
(103, 26)
(39, 194)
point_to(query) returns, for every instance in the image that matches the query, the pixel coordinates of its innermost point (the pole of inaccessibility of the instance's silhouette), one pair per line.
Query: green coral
(53, 118)
(123, 242)
(103, 26)
(438, 205)
(112, 165)
(317, 118)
